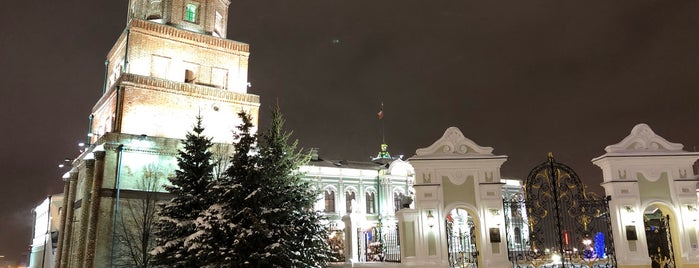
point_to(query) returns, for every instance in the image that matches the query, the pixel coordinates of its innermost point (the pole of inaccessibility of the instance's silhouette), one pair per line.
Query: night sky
(524, 77)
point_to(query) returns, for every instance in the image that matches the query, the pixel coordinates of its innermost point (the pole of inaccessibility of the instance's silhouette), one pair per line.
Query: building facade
(170, 64)
(445, 204)
(45, 232)
(649, 215)
(360, 200)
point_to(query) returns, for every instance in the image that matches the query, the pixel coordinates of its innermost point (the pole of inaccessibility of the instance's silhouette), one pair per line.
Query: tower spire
(383, 155)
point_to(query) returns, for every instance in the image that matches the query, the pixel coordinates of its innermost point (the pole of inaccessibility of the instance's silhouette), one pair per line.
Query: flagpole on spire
(383, 154)
(383, 129)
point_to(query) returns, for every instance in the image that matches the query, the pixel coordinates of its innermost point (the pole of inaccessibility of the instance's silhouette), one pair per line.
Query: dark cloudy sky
(524, 77)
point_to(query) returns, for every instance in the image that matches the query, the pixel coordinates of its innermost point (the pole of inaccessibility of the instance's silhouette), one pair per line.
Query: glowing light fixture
(556, 258)
(430, 219)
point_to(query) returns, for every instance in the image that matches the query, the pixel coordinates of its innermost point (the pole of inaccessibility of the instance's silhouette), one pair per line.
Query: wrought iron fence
(556, 223)
(391, 245)
(660, 242)
(461, 241)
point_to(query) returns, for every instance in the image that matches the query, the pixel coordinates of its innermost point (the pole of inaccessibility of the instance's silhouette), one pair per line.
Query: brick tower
(170, 64)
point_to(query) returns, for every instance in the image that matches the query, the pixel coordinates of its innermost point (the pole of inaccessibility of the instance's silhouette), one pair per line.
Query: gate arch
(463, 233)
(661, 225)
(565, 224)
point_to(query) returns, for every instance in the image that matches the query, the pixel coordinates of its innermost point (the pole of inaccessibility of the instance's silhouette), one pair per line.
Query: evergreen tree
(264, 215)
(189, 187)
(219, 227)
(298, 239)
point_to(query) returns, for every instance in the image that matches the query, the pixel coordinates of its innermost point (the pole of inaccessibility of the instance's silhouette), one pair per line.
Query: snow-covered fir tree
(189, 187)
(297, 237)
(216, 228)
(264, 213)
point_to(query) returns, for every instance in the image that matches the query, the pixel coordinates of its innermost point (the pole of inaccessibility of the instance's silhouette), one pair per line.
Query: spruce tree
(264, 215)
(189, 187)
(298, 239)
(220, 229)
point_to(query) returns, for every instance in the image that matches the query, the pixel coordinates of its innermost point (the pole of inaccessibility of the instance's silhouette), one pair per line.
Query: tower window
(218, 25)
(190, 12)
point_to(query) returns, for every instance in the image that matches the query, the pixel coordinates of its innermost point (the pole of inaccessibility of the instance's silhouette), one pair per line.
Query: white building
(45, 232)
(367, 192)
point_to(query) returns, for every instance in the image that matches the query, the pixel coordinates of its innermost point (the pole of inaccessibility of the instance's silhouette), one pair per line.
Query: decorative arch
(643, 139)
(370, 188)
(351, 189)
(398, 195)
(675, 250)
(454, 143)
(330, 186)
(463, 247)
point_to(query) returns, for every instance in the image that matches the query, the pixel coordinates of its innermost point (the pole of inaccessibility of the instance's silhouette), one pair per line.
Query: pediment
(643, 139)
(453, 143)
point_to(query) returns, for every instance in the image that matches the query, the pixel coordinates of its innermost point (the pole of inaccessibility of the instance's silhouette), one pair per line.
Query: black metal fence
(556, 223)
(461, 243)
(659, 239)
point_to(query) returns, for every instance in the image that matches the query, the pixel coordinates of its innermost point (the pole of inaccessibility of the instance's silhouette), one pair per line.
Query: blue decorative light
(599, 245)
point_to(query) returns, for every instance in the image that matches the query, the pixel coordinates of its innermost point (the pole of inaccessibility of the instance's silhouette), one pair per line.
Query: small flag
(380, 113)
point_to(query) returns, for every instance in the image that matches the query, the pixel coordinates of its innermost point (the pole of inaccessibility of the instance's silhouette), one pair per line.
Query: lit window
(190, 12)
(370, 203)
(329, 200)
(397, 198)
(349, 197)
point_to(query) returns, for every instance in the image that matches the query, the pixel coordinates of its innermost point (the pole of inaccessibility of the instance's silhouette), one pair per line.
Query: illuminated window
(329, 200)
(397, 198)
(190, 12)
(370, 203)
(349, 197)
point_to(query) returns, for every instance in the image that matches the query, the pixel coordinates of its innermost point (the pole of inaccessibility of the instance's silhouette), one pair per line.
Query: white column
(431, 236)
(492, 252)
(626, 211)
(351, 222)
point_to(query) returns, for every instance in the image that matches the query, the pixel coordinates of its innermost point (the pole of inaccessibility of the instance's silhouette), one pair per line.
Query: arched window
(397, 197)
(349, 197)
(329, 200)
(190, 12)
(370, 203)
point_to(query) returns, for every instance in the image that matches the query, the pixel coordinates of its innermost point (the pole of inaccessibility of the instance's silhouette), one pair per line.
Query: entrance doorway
(461, 239)
(659, 237)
